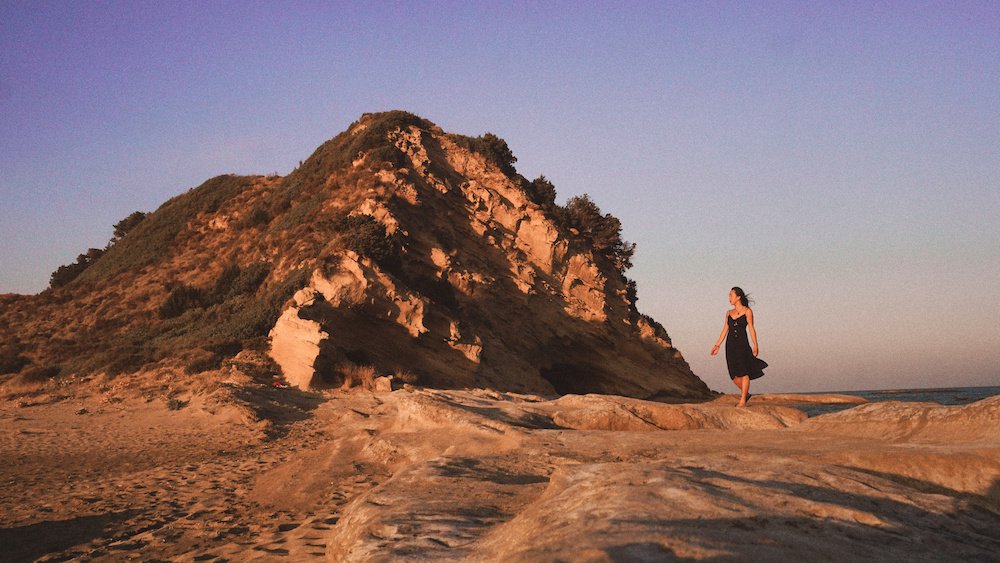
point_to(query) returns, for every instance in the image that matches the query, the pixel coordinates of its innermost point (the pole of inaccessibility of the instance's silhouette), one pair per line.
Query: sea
(942, 396)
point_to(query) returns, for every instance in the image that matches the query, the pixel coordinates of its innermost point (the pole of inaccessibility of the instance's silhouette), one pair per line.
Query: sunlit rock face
(489, 291)
(394, 249)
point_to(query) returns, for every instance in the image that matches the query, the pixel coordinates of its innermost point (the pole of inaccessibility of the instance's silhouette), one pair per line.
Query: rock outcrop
(490, 291)
(608, 412)
(396, 248)
(899, 421)
(487, 476)
(481, 475)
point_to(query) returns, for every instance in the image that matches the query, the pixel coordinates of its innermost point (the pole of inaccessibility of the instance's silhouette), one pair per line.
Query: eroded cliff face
(476, 280)
(488, 291)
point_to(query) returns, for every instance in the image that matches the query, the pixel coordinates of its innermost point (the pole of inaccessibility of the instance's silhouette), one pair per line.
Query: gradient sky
(838, 160)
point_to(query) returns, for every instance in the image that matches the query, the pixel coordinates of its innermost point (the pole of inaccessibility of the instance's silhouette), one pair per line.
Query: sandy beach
(245, 471)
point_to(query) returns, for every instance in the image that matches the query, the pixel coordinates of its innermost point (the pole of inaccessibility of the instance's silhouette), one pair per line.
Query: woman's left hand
(755, 351)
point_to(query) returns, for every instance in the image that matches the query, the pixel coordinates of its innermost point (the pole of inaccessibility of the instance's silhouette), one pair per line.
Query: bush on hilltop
(65, 274)
(541, 191)
(492, 147)
(602, 230)
(127, 224)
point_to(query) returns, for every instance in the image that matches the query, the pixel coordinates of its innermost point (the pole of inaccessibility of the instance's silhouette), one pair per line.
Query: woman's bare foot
(742, 403)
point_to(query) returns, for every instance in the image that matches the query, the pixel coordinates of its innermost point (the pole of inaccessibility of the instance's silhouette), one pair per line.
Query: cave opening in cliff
(577, 379)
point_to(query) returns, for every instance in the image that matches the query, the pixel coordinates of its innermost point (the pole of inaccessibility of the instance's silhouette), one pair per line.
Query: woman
(742, 361)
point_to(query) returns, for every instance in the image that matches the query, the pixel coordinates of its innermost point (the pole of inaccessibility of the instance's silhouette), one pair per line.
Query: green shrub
(656, 325)
(631, 293)
(176, 404)
(388, 156)
(243, 319)
(39, 373)
(541, 191)
(65, 274)
(301, 211)
(259, 216)
(203, 363)
(191, 320)
(11, 360)
(281, 203)
(295, 281)
(235, 281)
(228, 326)
(492, 147)
(250, 279)
(226, 349)
(13, 364)
(225, 282)
(367, 236)
(602, 231)
(129, 362)
(116, 354)
(180, 299)
(127, 224)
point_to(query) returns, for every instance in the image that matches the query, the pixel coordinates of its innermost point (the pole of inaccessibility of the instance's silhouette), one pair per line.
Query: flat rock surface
(795, 399)
(488, 476)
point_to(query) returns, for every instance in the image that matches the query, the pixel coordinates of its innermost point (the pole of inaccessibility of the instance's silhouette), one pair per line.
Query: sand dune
(246, 472)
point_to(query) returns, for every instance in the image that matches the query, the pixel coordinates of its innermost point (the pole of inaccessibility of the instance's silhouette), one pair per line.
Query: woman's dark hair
(744, 298)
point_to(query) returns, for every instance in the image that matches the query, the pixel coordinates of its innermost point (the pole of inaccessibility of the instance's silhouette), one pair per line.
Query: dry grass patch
(354, 375)
(404, 376)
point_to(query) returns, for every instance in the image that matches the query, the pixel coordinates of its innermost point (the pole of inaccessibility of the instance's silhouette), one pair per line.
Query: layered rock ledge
(458, 475)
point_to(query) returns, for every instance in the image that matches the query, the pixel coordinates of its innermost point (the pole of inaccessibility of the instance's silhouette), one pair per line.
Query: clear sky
(838, 160)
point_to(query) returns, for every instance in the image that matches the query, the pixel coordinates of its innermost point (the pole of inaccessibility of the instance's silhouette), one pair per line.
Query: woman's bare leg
(744, 385)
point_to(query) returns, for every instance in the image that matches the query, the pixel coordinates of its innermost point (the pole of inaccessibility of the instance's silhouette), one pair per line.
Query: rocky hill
(396, 248)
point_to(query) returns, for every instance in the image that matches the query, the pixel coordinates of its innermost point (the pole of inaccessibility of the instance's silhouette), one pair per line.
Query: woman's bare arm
(722, 335)
(751, 330)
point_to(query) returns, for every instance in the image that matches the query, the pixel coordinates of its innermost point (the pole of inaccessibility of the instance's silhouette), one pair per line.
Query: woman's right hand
(715, 349)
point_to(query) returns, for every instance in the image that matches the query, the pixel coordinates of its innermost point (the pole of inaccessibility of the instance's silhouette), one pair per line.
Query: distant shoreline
(949, 396)
(898, 390)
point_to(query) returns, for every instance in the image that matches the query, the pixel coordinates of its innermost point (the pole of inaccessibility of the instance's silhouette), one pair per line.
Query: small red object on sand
(280, 385)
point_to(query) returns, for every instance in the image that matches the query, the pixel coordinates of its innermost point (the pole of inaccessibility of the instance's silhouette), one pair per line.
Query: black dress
(739, 356)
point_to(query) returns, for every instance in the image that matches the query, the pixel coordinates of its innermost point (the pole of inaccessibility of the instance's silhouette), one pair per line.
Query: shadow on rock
(281, 407)
(642, 551)
(30, 542)
(475, 469)
(990, 500)
(838, 521)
